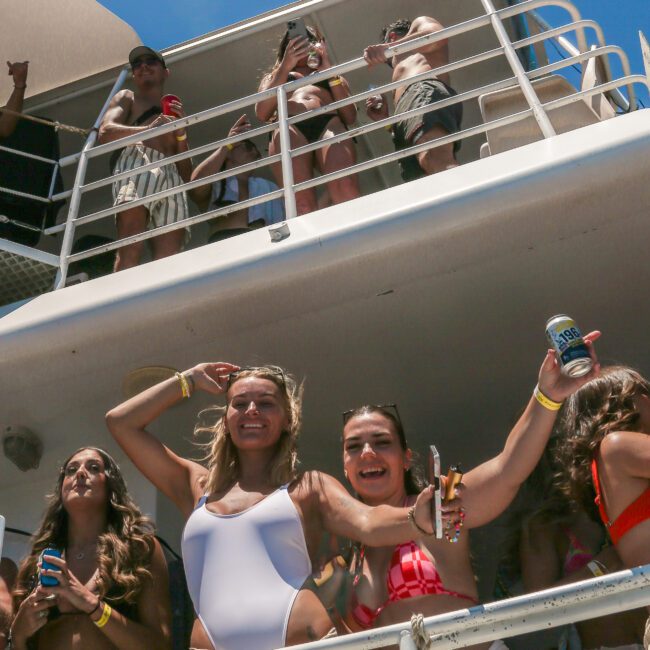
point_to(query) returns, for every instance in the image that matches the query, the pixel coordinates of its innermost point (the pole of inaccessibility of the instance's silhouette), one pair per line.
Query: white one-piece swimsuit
(244, 571)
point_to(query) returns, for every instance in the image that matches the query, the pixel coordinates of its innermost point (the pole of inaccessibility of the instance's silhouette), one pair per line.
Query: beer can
(565, 338)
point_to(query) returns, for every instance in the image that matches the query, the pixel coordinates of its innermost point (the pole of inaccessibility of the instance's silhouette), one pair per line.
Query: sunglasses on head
(275, 371)
(145, 60)
(390, 408)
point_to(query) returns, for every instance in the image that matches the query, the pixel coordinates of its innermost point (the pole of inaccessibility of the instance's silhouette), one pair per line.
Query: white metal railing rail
(578, 601)
(506, 48)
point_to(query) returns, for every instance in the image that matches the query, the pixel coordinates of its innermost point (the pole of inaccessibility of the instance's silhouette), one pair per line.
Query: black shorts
(407, 132)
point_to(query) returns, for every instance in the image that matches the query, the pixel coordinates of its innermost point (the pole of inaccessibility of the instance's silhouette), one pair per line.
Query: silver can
(565, 338)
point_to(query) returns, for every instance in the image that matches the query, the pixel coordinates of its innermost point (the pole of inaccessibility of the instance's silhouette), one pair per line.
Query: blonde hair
(221, 454)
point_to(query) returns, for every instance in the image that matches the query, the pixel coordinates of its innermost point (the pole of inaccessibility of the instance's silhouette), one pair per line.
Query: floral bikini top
(411, 573)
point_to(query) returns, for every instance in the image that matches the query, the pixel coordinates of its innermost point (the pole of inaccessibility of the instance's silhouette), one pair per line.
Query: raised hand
(18, 70)
(423, 512)
(558, 386)
(240, 126)
(211, 377)
(297, 49)
(375, 54)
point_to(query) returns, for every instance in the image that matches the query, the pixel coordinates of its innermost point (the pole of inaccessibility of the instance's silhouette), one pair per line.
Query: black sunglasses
(148, 60)
(391, 408)
(276, 371)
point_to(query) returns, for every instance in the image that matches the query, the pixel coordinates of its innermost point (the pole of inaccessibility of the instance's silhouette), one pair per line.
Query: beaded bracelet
(457, 528)
(106, 614)
(411, 518)
(545, 401)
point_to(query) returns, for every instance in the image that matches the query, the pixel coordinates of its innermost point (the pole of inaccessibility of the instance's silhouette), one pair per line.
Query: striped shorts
(163, 211)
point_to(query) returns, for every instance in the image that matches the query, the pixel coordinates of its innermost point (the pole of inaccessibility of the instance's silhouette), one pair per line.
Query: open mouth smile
(372, 472)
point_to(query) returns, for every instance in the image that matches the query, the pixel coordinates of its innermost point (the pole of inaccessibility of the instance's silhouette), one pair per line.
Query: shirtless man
(18, 71)
(136, 112)
(429, 126)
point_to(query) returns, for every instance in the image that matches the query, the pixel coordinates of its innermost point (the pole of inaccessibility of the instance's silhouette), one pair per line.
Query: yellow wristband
(389, 128)
(596, 568)
(546, 402)
(335, 81)
(185, 387)
(182, 138)
(230, 147)
(106, 614)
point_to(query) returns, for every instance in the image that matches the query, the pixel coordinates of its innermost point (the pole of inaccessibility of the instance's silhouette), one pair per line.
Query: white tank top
(244, 571)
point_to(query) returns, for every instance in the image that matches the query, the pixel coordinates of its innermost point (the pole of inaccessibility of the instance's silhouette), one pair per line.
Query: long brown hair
(222, 457)
(604, 405)
(123, 551)
(414, 482)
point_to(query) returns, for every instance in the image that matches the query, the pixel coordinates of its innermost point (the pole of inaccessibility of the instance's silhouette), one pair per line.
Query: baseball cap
(143, 50)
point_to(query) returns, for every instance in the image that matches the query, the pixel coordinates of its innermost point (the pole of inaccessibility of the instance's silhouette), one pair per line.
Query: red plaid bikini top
(411, 573)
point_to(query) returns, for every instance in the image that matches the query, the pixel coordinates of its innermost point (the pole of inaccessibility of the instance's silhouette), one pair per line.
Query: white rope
(418, 633)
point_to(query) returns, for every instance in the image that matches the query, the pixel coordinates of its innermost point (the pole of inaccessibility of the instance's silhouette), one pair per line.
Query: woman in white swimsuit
(253, 523)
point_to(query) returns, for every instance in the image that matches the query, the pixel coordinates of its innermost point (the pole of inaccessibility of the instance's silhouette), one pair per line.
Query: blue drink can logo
(565, 338)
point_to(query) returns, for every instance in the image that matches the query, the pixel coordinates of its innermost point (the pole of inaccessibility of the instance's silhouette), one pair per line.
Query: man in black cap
(137, 112)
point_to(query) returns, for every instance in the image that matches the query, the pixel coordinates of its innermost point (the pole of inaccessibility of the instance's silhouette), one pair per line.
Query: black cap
(143, 50)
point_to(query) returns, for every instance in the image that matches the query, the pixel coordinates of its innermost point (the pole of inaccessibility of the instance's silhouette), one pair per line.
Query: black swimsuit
(313, 127)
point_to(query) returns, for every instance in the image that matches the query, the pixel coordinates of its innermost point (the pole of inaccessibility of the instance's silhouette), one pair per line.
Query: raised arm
(382, 525)
(339, 87)
(213, 164)
(421, 26)
(8, 122)
(490, 487)
(176, 477)
(297, 49)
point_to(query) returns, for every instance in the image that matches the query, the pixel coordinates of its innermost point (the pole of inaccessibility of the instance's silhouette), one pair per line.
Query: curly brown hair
(605, 404)
(221, 454)
(124, 550)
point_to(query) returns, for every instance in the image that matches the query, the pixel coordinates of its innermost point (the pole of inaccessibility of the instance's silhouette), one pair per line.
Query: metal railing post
(285, 149)
(75, 199)
(524, 83)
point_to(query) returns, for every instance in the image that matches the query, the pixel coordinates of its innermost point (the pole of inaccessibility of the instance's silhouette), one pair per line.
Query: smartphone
(436, 502)
(49, 581)
(297, 27)
(454, 477)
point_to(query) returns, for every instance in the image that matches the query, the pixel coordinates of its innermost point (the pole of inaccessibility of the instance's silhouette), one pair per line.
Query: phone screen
(436, 502)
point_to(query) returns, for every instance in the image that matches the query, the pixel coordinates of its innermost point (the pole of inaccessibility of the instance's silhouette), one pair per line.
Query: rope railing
(492, 18)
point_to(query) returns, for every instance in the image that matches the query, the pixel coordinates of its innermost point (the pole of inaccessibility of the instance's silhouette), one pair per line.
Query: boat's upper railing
(521, 78)
(578, 601)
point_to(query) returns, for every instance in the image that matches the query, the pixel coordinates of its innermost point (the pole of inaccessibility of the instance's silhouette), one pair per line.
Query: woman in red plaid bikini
(433, 576)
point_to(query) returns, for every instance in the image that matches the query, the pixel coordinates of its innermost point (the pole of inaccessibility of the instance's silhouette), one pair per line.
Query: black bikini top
(324, 84)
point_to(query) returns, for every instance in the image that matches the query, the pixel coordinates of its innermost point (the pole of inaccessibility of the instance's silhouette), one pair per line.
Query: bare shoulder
(619, 445)
(426, 24)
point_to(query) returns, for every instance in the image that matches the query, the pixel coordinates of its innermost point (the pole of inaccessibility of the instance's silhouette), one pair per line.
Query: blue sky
(162, 23)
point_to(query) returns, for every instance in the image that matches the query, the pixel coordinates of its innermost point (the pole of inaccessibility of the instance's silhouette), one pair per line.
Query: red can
(165, 103)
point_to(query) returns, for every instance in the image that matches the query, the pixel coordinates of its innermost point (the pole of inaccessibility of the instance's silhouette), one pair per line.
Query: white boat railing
(507, 48)
(578, 601)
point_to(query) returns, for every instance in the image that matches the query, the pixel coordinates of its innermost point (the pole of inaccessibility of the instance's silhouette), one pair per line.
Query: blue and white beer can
(565, 338)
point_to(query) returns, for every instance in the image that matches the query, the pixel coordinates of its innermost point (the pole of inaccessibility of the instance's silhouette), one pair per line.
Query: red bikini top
(637, 512)
(411, 573)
